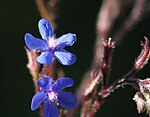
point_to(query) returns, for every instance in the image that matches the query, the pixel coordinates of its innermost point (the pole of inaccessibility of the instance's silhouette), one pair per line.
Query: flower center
(52, 43)
(53, 96)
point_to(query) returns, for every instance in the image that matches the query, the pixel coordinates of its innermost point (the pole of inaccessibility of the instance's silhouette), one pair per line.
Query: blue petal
(38, 98)
(45, 58)
(45, 83)
(62, 83)
(45, 28)
(67, 100)
(50, 109)
(66, 40)
(34, 43)
(65, 57)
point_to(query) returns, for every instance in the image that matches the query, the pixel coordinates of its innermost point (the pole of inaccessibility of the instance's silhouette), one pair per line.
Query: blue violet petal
(34, 43)
(67, 100)
(62, 83)
(65, 57)
(45, 29)
(37, 99)
(45, 58)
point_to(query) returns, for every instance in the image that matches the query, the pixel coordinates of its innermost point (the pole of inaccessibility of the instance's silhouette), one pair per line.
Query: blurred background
(75, 16)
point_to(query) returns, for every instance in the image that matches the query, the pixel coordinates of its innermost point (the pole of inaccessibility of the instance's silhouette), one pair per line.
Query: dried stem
(90, 92)
(85, 108)
(96, 105)
(139, 63)
(125, 80)
(109, 11)
(144, 55)
(104, 93)
(107, 14)
(106, 60)
(97, 77)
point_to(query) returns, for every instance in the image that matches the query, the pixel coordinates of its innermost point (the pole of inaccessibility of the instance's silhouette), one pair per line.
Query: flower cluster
(52, 94)
(142, 98)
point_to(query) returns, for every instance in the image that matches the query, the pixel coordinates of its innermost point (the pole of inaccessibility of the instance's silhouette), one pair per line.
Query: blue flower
(52, 94)
(50, 46)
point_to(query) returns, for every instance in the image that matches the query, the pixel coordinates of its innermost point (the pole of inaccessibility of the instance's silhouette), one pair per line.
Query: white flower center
(52, 43)
(53, 96)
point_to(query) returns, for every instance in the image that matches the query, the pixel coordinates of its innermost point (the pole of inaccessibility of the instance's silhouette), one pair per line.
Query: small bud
(144, 55)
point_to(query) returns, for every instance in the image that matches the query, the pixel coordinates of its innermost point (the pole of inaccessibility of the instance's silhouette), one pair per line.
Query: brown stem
(107, 14)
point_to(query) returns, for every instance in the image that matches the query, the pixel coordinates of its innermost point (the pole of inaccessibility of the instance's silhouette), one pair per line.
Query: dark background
(76, 16)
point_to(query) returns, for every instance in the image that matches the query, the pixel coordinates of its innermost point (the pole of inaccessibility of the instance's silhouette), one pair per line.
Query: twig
(85, 107)
(144, 55)
(96, 105)
(109, 11)
(125, 80)
(104, 93)
(106, 60)
(107, 14)
(90, 92)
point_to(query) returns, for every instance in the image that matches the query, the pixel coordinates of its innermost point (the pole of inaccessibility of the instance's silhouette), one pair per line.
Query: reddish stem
(97, 104)
(106, 60)
(48, 70)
